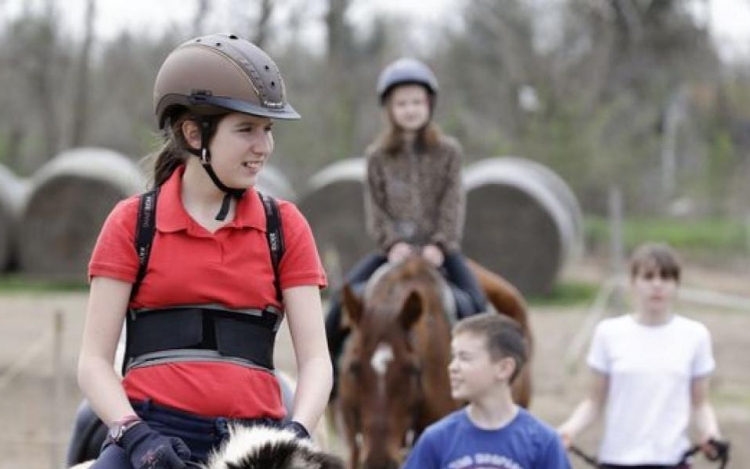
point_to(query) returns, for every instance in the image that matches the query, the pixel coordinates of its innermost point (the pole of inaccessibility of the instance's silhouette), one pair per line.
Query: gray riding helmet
(218, 73)
(406, 71)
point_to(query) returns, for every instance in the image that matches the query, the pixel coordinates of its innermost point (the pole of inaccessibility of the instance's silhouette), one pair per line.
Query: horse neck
(434, 340)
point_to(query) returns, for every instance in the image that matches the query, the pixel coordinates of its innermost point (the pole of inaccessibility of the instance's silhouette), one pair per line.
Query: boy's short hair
(503, 336)
(656, 255)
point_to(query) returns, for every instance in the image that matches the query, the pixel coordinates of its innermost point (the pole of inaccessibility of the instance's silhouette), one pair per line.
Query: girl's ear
(192, 133)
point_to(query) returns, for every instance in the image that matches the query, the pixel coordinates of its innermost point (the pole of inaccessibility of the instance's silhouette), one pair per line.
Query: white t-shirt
(650, 369)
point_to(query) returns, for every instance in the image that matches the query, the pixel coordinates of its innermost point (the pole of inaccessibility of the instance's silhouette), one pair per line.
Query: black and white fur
(261, 447)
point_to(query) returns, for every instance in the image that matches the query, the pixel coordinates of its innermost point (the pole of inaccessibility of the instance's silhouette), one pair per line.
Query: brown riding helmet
(219, 73)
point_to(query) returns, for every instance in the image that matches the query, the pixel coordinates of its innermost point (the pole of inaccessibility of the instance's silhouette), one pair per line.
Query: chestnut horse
(393, 370)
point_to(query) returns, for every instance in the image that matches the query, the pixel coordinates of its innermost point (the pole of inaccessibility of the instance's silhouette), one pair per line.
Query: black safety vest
(205, 332)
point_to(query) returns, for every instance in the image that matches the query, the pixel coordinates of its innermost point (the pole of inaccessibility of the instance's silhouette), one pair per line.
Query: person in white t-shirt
(651, 372)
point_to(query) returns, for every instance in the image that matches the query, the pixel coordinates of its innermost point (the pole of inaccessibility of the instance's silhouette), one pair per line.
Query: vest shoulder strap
(146, 228)
(274, 237)
(144, 234)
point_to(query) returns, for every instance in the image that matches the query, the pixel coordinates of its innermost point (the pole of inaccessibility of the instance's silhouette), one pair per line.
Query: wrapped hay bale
(12, 194)
(334, 206)
(522, 221)
(271, 181)
(70, 197)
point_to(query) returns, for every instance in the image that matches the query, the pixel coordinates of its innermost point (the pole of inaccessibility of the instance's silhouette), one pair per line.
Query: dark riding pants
(200, 434)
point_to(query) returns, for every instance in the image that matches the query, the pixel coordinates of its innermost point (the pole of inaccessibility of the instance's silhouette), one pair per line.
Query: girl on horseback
(651, 372)
(414, 200)
(224, 264)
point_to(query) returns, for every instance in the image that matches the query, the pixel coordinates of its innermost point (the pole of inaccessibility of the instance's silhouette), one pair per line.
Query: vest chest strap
(201, 333)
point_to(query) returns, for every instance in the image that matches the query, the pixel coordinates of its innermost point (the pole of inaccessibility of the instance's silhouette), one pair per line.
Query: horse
(264, 447)
(393, 370)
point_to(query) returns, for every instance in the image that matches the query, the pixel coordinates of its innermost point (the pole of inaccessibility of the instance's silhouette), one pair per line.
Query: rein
(721, 447)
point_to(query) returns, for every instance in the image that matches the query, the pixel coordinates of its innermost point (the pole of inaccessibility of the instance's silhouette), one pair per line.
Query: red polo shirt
(189, 265)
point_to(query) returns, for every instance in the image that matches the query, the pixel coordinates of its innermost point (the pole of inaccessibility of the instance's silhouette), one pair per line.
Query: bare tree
(80, 105)
(263, 24)
(199, 19)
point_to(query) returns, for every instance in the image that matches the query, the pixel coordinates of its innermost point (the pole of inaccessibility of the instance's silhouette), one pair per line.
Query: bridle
(415, 374)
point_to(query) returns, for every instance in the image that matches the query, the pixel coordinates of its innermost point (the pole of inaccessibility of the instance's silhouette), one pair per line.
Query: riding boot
(473, 301)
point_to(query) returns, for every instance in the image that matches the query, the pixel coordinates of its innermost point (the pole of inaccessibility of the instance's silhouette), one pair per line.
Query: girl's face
(240, 148)
(409, 107)
(654, 292)
(473, 374)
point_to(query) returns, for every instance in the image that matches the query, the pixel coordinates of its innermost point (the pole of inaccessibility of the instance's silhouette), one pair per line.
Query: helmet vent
(218, 44)
(233, 36)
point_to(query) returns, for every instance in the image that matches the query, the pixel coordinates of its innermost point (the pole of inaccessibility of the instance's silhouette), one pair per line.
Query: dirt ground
(39, 393)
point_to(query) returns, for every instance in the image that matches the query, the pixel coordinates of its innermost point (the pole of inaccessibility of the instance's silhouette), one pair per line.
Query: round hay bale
(70, 198)
(271, 181)
(522, 221)
(333, 204)
(12, 194)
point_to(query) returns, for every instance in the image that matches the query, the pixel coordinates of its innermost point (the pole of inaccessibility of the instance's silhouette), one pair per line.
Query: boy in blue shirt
(491, 432)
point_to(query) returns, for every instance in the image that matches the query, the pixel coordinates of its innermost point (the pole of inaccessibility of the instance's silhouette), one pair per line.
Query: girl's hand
(565, 437)
(433, 254)
(715, 448)
(399, 252)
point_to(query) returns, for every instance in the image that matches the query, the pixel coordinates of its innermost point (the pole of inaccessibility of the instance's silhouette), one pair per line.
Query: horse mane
(269, 448)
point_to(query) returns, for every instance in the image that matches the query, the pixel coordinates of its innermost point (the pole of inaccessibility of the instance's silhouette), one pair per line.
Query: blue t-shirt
(454, 442)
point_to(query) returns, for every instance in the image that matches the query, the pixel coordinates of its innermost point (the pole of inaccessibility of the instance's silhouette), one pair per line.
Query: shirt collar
(171, 215)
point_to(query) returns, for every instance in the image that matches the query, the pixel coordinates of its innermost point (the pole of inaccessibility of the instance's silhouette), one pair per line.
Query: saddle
(457, 303)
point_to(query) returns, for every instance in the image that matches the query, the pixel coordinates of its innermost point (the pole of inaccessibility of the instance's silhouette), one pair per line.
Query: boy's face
(472, 371)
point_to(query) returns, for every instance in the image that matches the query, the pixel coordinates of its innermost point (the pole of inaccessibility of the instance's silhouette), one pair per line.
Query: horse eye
(410, 368)
(355, 368)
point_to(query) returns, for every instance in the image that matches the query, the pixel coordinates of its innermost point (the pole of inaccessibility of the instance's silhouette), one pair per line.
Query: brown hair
(658, 255)
(503, 337)
(391, 140)
(173, 152)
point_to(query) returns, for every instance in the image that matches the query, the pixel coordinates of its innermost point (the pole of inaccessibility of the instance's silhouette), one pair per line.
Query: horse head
(393, 371)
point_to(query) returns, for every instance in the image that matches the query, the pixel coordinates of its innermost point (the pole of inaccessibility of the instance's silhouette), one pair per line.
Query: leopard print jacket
(416, 197)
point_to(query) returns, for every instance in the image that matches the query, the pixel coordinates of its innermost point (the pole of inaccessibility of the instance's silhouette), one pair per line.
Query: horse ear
(352, 305)
(411, 310)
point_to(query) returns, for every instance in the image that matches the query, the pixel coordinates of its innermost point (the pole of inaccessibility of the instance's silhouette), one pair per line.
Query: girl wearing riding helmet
(651, 372)
(414, 200)
(202, 323)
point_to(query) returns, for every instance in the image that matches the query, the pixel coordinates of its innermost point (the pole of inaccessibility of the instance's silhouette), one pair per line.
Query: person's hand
(298, 429)
(565, 438)
(399, 252)
(148, 449)
(715, 448)
(433, 254)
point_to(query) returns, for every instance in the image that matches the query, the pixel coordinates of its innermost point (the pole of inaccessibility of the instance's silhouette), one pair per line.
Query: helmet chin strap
(205, 156)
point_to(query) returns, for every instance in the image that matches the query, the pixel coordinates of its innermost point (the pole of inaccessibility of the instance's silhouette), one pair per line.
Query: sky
(729, 19)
